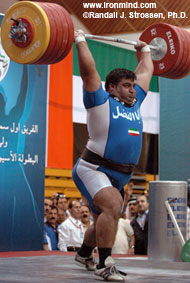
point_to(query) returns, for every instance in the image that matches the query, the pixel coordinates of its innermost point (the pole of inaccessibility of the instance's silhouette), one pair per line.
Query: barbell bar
(118, 40)
(43, 33)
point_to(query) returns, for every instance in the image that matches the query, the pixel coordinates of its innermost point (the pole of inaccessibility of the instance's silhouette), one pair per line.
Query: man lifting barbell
(112, 151)
(42, 33)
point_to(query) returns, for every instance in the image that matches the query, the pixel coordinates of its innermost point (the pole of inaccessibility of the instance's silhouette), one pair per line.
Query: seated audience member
(62, 216)
(140, 226)
(71, 231)
(47, 207)
(131, 210)
(51, 229)
(124, 240)
(85, 217)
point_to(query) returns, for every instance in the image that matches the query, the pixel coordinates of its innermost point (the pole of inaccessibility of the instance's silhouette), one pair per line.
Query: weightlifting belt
(96, 159)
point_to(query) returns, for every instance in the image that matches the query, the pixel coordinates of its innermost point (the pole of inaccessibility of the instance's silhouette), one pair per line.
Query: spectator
(61, 216)
(125, 235)
(140, 226)
(60, 201)
(129, 191)
(71, 231)
(85, 217)
(132, 209)
(47, 207)
(51, 229)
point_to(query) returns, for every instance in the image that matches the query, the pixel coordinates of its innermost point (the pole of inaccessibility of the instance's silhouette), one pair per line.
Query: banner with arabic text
(23, 91)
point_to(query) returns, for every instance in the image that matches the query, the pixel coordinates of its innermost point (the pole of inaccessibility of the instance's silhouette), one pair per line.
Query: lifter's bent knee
(109, 200)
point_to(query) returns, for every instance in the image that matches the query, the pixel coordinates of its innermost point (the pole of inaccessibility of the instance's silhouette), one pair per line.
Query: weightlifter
(113, 148)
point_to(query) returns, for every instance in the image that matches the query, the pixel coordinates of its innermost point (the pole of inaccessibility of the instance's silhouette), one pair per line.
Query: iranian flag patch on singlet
(133, 132)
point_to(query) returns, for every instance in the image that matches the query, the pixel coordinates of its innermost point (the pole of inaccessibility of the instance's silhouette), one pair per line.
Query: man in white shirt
(131, 210)
(125, 239)
(71, 231)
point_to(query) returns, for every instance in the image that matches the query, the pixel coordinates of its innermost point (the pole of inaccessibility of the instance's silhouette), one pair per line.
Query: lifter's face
(124, 90)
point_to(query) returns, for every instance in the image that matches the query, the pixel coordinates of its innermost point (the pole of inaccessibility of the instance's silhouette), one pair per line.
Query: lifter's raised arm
(87, 67)
(145, 68)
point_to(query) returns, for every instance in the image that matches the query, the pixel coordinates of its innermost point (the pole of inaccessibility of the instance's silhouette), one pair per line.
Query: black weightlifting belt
(94, 158)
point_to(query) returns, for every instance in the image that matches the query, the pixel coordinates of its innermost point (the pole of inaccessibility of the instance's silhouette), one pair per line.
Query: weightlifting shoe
(88, 262)
(110, 272)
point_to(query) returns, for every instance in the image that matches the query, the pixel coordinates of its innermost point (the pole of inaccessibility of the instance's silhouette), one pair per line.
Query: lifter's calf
(109, 202)
(89, 241)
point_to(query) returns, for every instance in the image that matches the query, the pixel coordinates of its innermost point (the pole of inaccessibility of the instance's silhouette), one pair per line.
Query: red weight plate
(69, 36)
(62, 56)
(70, 28)
(172, 40)
(184, 70)
(51, 8)
(179, 66)
(63, 34)
(53, 33)
(71, 32)
(184, 52)
(182, 76)
(187, 36)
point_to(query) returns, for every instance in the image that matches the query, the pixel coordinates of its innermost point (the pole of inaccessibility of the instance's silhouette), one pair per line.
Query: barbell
(43, 33)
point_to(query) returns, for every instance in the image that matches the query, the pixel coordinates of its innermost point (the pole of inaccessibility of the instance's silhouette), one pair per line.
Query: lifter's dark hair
(116, 75)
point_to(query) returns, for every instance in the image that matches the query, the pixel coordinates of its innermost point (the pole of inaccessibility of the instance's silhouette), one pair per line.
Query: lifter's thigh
(108, 200)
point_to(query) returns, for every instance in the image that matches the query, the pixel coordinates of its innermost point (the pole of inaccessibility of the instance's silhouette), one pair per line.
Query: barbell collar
(18, 31)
